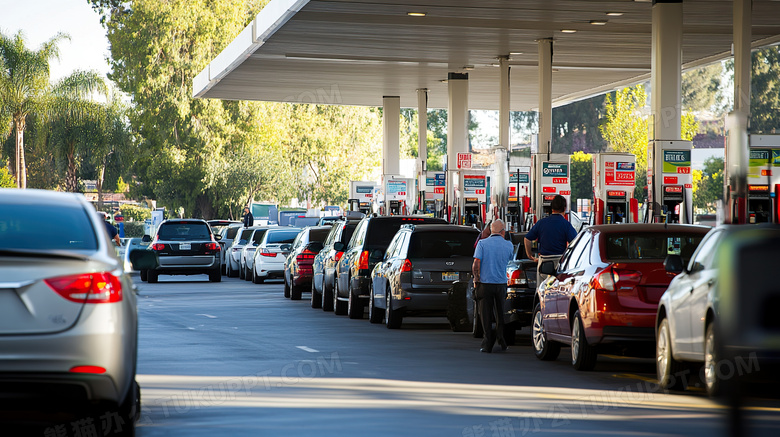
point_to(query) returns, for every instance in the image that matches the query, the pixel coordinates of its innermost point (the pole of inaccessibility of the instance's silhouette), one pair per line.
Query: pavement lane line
(207, 315)
(307, 349)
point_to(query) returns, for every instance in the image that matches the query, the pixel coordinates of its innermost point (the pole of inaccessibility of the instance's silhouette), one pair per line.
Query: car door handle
(690, 290)
(710, 282)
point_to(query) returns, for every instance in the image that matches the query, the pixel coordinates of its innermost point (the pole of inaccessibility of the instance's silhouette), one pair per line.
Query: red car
(298, 265)
(604, 295)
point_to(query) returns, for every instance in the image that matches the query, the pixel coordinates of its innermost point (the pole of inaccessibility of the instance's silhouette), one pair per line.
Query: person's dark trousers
(492, 309)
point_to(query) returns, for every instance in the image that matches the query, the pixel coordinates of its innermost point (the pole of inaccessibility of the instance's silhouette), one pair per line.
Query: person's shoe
(485, 350)
(504, 348)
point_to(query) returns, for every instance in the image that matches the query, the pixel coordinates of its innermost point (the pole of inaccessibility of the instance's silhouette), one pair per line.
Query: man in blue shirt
(489, 269)
(554, 233)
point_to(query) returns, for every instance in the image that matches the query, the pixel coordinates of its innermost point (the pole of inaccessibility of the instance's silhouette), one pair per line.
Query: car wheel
(327, 297)
(339, 306)
(316, 298)
(232, 273)
(510, 333)
(476, 329)
(295, 292)
(241, 271)
(375, 315)
(709, 370)
(393, 318)
(130, 408)
(286, 288)
(544, 349)
(215, 276)
(668, 369)
(255, 278)
(152, 277)
(355, 308)
(583, 355)
(144, 275)
(250, 274)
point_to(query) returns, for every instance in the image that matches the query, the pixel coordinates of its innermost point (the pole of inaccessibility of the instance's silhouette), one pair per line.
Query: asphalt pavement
(238, 359)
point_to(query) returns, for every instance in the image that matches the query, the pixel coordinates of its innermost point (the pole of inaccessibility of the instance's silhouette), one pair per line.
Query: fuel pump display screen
(673, 193)
(759, 205)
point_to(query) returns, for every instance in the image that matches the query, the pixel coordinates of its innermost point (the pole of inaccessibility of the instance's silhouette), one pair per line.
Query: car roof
(439, 227)
(648, 227)
(187, 220)
(36, 197)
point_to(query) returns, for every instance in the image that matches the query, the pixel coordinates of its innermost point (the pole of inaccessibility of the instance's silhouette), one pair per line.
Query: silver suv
(185, 247)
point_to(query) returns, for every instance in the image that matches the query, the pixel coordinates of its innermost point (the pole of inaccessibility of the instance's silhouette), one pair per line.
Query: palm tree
(75, 119)
(24, 80)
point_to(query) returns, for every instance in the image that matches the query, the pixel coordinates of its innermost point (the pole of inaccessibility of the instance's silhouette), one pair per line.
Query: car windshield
(30, 227)
(318, 234)
(282, 237)
(651, 246)
(381, 232)
(182, 231)
(245, 234)
(442, 244)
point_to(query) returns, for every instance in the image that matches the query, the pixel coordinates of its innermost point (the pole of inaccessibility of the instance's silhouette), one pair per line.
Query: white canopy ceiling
(354, 52)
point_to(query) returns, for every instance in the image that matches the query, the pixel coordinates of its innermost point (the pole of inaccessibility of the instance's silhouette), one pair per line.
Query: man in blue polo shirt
(554, 233)
(489, 269)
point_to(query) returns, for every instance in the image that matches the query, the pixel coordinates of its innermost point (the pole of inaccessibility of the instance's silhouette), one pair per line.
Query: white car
(271, 253)
(247, 258)
(131, 245)
(233, 252)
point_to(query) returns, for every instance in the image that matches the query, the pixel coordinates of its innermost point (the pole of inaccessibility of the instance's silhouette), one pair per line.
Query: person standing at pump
(554, 233)
(249, 219)
(489, 269)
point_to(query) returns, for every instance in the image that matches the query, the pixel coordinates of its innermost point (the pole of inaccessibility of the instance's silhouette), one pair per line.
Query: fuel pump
(395, 207)
(670, 182)
(518, 202)
(547, 205)
(471, 211)
(763, 179)
(613, 188)
(551, 177)
(474, 194)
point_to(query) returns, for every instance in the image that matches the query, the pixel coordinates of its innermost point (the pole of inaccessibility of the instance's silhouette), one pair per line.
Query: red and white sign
(565, 193)
(689, 186)
(464, 160)
(562, 181)
(617, 177)
(670, 180)
(683, 170)
(549, 190)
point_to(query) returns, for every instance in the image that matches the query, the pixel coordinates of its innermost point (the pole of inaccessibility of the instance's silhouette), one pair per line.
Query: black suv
(185, 247)
(366, 248)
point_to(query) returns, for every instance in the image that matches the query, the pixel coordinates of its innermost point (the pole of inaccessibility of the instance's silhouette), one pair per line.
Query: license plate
(185, 246)
(449, 276)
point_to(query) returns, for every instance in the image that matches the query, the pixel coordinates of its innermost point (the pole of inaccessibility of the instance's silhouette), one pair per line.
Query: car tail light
(610, 279)
(406, 266)
(88, 369)
(212, 246)
(88, 287)
(158, 246)
(265, 252)
(363, 263)
(517, 277)
(339, 255)
(306, 255)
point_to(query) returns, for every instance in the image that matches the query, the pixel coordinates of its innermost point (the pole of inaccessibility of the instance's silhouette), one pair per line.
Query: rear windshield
(30, 227)
(380, 232)
(184, 231)
(232, 231)
(346, 234)
(282, 237)
(651, 246)
(318, 234)
(257, 237)
(245, 234)
(442, 244)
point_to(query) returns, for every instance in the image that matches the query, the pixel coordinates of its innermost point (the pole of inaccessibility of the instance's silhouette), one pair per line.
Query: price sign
(464, 160)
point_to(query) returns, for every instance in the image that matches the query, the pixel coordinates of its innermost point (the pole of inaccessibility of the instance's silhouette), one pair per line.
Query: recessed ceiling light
(614, 14)
(444, 81)
(468, 67)
(598, 22)
(416, 14)
(515, 53)
(569, 30)
(495, 65)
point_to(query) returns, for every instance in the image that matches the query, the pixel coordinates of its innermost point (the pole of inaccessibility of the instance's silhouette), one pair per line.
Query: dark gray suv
(185, 247)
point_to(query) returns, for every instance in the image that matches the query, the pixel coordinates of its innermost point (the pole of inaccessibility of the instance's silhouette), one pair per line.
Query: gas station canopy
(354, 52)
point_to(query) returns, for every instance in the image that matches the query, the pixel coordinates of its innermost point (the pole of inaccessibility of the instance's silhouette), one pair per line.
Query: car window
(318, 234)
(244, 237)
(381, 231)
(297, 241)
(572, 262)
(334, 231)
(182, 231)
(232, 231)
(442, 244)
(646, 246)
(391, 249)
(282, 237)
(705, 254)
(346, 233)
(30, 227)
(359, 235)
(257, 237)
(564, 264)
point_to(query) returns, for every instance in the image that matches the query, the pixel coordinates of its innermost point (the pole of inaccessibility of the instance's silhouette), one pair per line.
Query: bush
(134, 229)
(135, 212)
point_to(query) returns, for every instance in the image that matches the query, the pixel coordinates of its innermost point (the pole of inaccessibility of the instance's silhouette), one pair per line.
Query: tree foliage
(581, 176)
(710, 187)
(624, 126)
(765, 91)
(701, 88)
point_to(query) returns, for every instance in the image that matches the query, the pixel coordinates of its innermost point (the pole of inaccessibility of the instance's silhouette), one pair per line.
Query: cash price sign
(555, 179)
(677, 162)
(464, 160)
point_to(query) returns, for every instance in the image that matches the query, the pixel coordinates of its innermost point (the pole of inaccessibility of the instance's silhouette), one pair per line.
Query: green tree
(710, 189)
(765, 91)
(6, 180)
(24, 80)
(701, 88)
(624, 127)
(134, 212)
(581, 176)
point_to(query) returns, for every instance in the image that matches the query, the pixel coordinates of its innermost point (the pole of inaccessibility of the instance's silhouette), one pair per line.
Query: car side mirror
(146, 239)
(339, 246)
(697, 267)
(673, 264)
(144, 259)
(314, 246)
(547, 268)
(217, 237)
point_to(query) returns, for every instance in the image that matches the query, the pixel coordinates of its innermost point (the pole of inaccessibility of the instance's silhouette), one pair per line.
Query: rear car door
(703, 280)
(572, 280)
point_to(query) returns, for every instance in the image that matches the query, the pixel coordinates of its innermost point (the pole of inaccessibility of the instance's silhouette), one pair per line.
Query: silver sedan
(68, 321)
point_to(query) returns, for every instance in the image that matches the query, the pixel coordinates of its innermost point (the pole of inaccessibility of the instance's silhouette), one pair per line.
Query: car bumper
(359, 286)
(188, 262)
(518, 307)
(434, 301)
